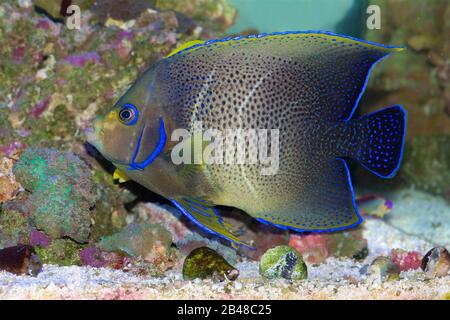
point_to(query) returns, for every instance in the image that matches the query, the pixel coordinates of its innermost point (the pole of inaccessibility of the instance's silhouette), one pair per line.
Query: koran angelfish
(306, 84)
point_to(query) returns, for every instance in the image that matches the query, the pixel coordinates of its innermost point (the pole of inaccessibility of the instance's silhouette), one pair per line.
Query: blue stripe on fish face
(162, 142)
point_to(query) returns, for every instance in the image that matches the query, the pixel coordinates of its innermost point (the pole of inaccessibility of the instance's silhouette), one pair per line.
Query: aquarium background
(57, 193)
(341, 16)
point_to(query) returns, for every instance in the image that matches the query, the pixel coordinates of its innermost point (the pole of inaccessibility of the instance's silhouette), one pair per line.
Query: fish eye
(128, 115)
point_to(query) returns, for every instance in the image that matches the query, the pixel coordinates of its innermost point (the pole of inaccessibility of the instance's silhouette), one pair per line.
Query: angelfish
(305, 84)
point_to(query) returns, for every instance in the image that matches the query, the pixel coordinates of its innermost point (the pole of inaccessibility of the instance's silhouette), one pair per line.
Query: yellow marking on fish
(120, 175)
(288, 36)
(185, 46)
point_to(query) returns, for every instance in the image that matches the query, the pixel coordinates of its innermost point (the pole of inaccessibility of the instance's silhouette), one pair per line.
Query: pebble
(283, 262)
(203, 263)
(436, 263)
(384, 269)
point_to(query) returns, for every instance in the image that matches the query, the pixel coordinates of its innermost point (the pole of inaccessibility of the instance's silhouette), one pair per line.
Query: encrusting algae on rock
(283, 262)
(205, 263)
(62, 192)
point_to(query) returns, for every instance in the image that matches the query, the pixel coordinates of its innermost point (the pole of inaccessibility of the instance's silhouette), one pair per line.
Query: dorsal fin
(334, 68)
(185, 46)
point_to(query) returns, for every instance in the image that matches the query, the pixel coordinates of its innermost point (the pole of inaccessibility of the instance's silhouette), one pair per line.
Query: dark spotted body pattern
(304, 84)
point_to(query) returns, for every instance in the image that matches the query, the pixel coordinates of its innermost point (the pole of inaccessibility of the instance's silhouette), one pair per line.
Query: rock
(428, 164)
(262, 237)
(9, 187)
(208, 12)
(57, 9)
(62, 192)
(372, 205)
(436, 263)
(62, 252)
(97, 258)
(406, 260)
(195, 240)
(206, 263)
(21, 259)
(421, 214)
(350, 244)
(38, 238)
(313, 247)
(172, 220)
(152, 242)
(383, 269)
(14, 226)
(283, 262)
(316, 248)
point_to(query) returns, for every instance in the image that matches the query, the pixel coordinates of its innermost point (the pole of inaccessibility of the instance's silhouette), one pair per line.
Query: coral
(283, 262)
(206, 263)
(21, 259)
(63, 252)
(436, 263)
(62, 191)
(152, 242)
(406, 260)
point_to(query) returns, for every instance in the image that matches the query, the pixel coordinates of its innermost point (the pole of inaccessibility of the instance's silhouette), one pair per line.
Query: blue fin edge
(187, 214)
(324, 230)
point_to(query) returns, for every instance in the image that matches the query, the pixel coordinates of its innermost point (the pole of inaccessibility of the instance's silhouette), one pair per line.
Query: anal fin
(206, 217)
(325, 203)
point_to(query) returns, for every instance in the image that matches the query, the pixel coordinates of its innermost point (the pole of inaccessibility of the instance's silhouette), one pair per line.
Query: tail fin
(376, 140)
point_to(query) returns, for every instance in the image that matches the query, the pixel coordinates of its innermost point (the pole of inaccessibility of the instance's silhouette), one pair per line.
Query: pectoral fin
(205, 216)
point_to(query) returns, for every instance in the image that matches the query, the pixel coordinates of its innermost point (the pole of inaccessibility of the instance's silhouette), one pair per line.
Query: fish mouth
(133, 165)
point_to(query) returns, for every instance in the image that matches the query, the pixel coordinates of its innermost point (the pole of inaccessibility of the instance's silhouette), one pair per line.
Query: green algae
(62, 192)
(283, 262)
(14, 227)
(206, 263)
(62, 252)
